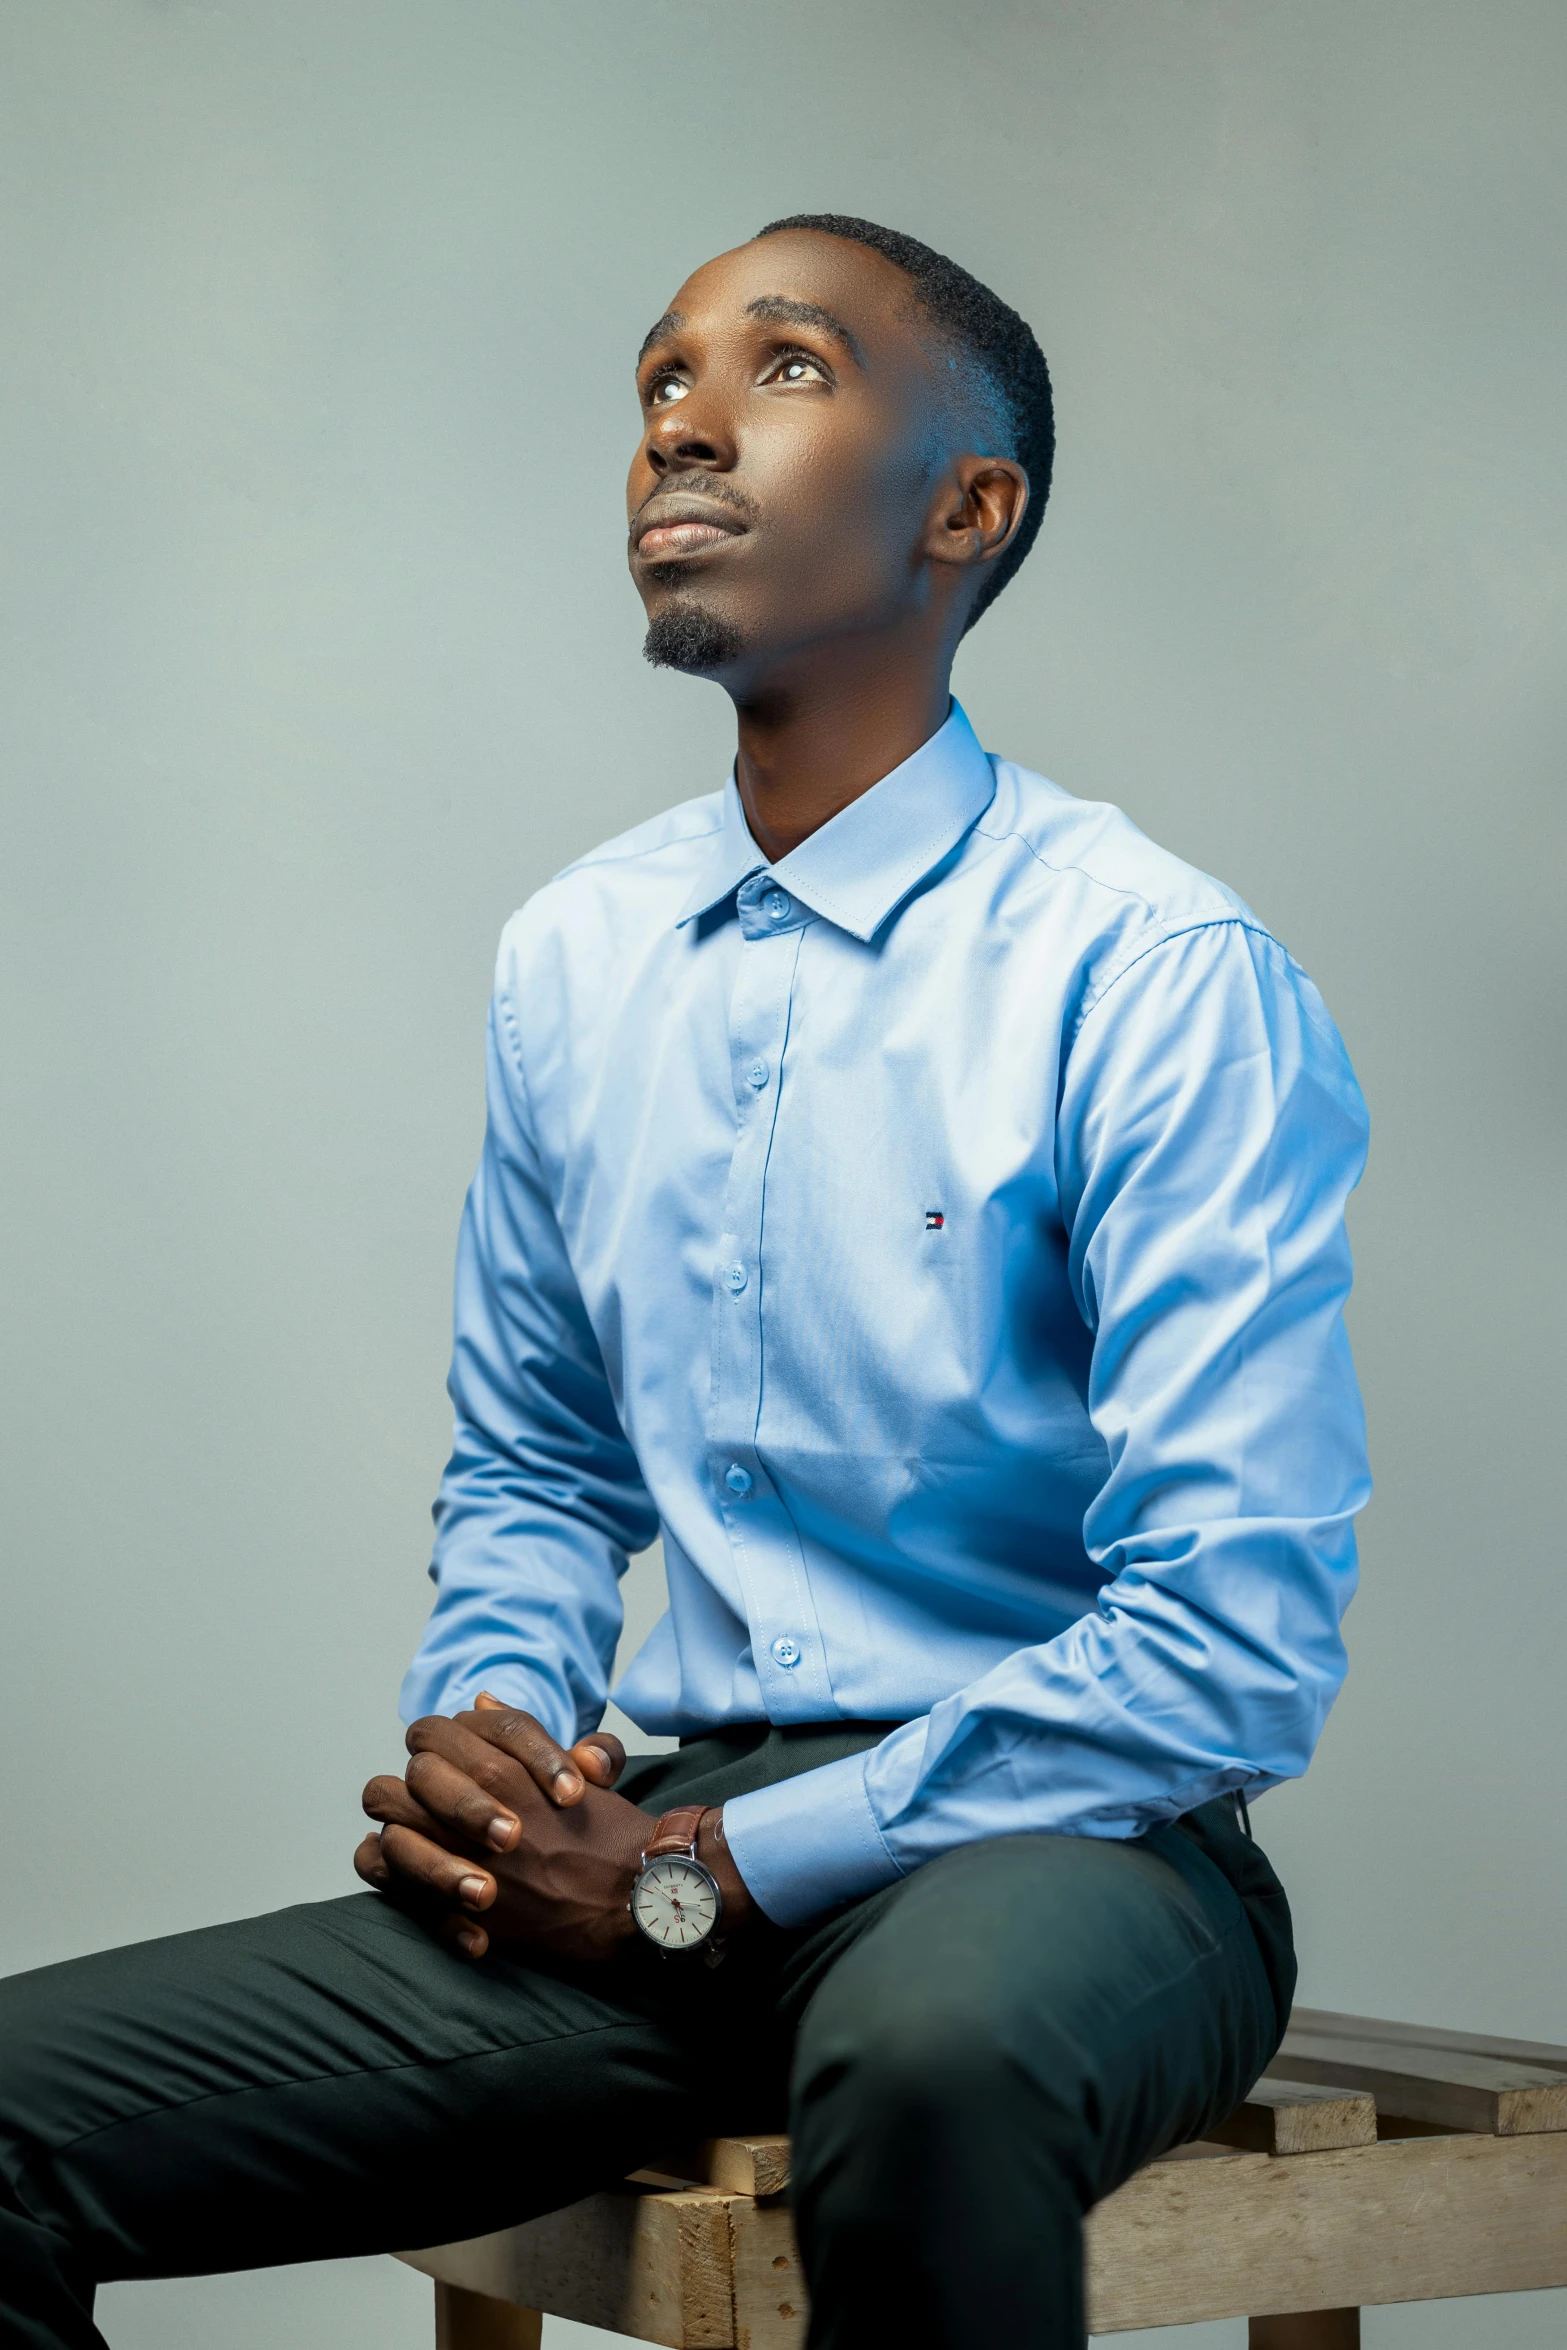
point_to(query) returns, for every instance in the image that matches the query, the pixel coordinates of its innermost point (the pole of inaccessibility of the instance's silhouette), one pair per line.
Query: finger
(465, 1744)
(423, 1867)
(600, 1757)
(463, 1934)
(370, 1865)
(457, 1805)
(389, 1799)
(528, 1742)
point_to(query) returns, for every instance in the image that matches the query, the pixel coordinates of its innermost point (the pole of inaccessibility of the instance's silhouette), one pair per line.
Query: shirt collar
(867, 858)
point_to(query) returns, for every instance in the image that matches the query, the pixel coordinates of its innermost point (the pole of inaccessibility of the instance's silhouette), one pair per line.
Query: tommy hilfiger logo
(934, 1219)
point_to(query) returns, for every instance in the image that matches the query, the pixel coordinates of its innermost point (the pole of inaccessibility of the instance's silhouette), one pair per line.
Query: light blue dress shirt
(937, 1236)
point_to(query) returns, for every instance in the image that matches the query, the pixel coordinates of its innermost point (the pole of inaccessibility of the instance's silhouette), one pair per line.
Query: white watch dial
(675, 1903)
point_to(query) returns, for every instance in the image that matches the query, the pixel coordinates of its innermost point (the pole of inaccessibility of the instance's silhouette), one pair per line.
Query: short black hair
(990, 333)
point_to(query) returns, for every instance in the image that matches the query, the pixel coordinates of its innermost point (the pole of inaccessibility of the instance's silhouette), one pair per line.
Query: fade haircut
(997, 343)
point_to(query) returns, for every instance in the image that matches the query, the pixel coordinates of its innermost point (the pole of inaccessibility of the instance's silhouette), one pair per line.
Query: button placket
(785, 1642)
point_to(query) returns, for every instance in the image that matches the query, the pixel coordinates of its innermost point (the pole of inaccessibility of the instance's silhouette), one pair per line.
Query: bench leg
(472, 2321)
(1309, 2329)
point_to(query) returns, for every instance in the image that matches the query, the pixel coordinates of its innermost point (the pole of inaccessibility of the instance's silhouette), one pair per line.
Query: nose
(690, 436)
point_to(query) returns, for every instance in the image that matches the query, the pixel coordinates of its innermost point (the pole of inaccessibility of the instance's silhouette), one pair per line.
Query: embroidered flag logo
(934, 1219)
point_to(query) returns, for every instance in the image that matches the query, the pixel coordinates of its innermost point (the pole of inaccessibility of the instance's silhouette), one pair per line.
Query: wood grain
(1300, 2117)
(747, 2166)
(1414, 2219)
(1450, 2086)
(1210, 2233)
(737, 2166)
(771, 2304)
(656, 2267)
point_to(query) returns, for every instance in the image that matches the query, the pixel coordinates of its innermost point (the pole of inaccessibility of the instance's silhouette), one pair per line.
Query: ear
(979, 511)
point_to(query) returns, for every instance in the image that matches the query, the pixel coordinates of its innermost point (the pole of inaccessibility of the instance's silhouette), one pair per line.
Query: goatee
(688, 636)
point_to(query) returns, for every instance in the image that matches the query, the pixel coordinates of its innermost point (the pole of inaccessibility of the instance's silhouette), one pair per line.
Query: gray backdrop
(319, 318)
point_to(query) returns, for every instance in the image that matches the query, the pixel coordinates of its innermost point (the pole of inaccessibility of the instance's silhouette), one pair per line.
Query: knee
(933, 2079)
(897, 2061)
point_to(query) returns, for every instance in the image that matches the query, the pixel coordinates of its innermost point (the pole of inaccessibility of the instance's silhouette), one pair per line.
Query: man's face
(797, 424)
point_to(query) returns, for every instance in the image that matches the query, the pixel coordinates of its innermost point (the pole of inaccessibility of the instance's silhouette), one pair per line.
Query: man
(920, 1199)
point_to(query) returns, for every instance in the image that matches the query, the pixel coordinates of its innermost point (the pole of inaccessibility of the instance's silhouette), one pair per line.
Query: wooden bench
(1373, 2162)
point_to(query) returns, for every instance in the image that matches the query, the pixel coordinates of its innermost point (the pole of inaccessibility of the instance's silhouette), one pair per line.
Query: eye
(798, 367)
(665, 389)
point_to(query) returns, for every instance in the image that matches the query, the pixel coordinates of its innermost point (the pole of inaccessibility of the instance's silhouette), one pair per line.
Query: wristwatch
(675, 1902)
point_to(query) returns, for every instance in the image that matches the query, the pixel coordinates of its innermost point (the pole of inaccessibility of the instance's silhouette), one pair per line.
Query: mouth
(683, 525)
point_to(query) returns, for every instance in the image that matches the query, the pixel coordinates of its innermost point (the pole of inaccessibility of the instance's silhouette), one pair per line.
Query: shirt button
(737, 1479)
(777, 905)
(737, 1278)
(757, 1074)
(786, 1652)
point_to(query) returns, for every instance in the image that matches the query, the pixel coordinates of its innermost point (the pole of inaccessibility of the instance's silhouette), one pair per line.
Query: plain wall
(320, 655)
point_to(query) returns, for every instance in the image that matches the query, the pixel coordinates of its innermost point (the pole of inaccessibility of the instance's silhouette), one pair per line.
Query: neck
(812, 740)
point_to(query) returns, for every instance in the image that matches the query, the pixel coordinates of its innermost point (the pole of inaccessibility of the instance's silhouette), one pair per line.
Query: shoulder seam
(1165, 937)
(1114, 888)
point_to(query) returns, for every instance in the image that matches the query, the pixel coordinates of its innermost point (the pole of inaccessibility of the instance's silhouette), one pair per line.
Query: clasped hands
(500, 1837)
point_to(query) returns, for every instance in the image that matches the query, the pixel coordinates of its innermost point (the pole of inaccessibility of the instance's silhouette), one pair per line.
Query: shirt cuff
(810, 1843)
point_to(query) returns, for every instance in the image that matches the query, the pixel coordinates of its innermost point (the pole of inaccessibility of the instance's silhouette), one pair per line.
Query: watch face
(675, 1903)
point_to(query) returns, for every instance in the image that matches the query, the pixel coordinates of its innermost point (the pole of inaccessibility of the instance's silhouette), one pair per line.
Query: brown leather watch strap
(676, 1831)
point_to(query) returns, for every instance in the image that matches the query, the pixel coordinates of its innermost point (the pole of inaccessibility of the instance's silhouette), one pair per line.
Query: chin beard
(688, 636)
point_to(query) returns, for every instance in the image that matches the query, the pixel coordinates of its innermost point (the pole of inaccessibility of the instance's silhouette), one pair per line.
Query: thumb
(600, 1757)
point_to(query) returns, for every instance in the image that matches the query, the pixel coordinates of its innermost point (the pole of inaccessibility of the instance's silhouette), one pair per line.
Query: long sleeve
(1208, 1134)
(542, 1500)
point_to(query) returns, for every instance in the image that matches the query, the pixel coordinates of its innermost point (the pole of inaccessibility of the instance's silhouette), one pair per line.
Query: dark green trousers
(968, 2061)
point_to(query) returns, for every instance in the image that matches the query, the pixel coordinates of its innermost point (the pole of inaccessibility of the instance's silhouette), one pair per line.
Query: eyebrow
(670, 324)
(778, 310)
(783, 310)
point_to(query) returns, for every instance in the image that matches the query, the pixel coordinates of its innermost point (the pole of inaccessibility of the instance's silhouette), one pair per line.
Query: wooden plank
(1448, 2086)
(1316, 2023)
(471, 2321)
(771, 2304)
(747, 2166)
(1414, 2219)
(1300, 2117)
(656, 2267)
(1313, 2329)
(1226, 2235)
(736, 2166)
